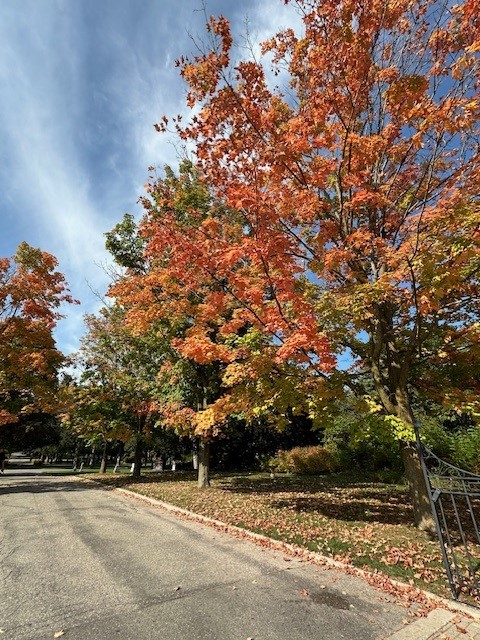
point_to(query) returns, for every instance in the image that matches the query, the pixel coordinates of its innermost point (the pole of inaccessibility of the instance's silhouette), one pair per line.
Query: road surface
(96, 565)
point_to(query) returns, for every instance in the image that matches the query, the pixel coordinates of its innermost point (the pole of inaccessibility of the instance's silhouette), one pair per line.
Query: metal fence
(455, 501)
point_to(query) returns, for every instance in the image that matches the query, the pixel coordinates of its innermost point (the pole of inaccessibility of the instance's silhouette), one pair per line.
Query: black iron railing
(455, 501)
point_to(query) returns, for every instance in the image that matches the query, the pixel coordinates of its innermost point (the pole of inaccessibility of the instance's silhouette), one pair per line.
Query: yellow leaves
(209, 421)
(235, 373)
(401, 430)
(372, 405)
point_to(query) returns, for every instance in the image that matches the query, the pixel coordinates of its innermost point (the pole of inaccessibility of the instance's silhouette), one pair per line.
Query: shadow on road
(40, 484)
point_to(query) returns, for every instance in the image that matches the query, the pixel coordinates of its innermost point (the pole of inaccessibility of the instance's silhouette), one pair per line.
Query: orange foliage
(31, 291)
(356, 194)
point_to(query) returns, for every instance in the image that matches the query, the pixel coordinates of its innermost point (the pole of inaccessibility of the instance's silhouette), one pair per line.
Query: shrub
(437, 439)
(311, 460)
(281, 462)
(466, 449)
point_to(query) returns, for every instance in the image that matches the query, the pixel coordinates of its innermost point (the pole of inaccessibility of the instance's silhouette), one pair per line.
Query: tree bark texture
(103, 463)
(203, 464)
(422, 511)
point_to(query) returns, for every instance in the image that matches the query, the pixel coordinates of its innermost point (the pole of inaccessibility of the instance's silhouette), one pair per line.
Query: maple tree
(346, 160)
(152, 294)
(117, 397)
(31, 292)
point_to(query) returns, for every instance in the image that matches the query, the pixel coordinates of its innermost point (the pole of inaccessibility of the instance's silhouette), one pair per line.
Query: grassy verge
(367, 524)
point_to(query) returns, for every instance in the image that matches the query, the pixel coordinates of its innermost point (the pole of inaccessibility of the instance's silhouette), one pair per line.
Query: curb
(424, 628)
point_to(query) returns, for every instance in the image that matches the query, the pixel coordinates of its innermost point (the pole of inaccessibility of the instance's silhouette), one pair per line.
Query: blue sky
(82, 83)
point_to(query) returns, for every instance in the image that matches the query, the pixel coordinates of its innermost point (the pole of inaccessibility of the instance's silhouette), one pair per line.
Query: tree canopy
(31, 292)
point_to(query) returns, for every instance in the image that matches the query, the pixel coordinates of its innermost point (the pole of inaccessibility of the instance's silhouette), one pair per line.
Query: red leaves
(342, 219)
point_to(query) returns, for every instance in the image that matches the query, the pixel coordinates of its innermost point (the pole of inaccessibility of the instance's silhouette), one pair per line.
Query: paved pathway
(94, 564)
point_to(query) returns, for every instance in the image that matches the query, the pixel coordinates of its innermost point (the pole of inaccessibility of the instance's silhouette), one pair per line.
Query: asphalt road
(97, 565)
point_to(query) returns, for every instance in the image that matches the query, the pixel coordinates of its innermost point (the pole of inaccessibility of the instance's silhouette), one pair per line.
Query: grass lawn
(367, 524)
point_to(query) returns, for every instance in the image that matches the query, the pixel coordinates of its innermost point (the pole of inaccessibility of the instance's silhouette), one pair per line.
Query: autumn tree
(91, 414)
(349, 152)
(118, 394)
(151, 289)
(31, 292)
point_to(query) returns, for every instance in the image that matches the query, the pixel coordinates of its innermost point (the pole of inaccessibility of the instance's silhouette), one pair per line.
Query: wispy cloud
(81, 86)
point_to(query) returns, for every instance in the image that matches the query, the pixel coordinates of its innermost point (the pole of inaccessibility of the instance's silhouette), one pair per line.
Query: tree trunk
(422, 511)
(76, 460)
(203, 444)
(137, 461)
(103, 463)
(203, 464)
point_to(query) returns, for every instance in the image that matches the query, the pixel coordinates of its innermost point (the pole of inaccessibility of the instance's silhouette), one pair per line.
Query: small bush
(466, 449)
(437, 439)
(312, 460)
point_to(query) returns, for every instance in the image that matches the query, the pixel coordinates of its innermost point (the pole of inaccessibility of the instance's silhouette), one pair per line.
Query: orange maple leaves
(31, 290)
